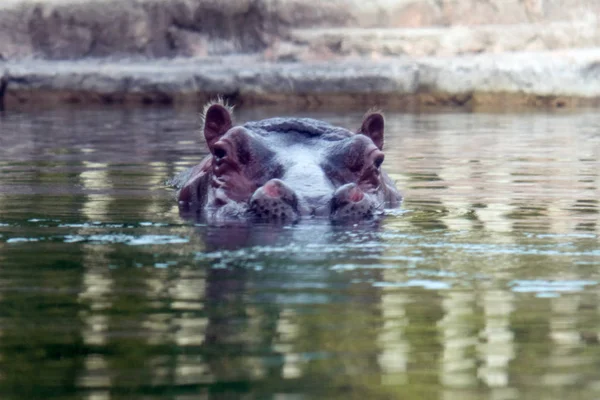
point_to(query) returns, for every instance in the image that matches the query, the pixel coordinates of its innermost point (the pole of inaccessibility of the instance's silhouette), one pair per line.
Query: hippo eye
(378, 160)
(219, 153)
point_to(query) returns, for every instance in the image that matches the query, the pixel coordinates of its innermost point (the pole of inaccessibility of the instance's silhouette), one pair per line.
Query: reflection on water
(483, 285)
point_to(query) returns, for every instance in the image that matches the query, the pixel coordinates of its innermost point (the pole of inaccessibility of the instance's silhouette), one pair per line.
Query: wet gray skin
(287, 169)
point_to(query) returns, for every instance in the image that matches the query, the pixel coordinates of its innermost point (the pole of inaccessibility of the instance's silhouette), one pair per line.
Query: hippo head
(285, 169)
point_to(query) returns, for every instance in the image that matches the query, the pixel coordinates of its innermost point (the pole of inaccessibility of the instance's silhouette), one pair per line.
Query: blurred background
(344, 52)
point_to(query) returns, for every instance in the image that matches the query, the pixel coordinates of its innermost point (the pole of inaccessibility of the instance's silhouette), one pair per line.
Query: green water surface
(483, 285)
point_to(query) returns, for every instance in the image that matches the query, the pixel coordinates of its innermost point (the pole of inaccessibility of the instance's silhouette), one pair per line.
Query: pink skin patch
(355, 195)
(272, 189)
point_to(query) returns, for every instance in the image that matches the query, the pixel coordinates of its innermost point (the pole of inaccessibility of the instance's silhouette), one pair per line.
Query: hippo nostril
(272, 189)
(355, 194)
(349, 193)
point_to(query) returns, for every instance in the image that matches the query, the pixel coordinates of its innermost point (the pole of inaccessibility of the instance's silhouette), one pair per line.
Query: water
(484, 285)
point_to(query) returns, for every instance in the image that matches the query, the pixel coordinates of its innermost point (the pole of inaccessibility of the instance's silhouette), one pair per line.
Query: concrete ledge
(556, 79)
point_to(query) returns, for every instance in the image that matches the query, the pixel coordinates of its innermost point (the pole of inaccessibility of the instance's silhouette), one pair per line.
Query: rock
(344, 42)
(98, 28)
(74, 29)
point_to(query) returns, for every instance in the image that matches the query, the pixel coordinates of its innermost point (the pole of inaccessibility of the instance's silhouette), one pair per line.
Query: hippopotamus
(287, 169)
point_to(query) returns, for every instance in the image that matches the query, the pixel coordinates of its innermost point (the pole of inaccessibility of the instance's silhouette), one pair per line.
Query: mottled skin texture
(286, 169)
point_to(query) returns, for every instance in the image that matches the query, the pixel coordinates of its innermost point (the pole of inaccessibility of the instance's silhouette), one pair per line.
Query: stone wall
(461, 53)
(72, 29)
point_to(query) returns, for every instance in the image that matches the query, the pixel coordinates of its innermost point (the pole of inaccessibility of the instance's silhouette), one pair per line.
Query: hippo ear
(217, 121)
(372, 126)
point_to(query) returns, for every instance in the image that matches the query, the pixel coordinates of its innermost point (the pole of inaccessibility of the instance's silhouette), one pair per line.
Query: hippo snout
(274, 201)
(277, 202)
